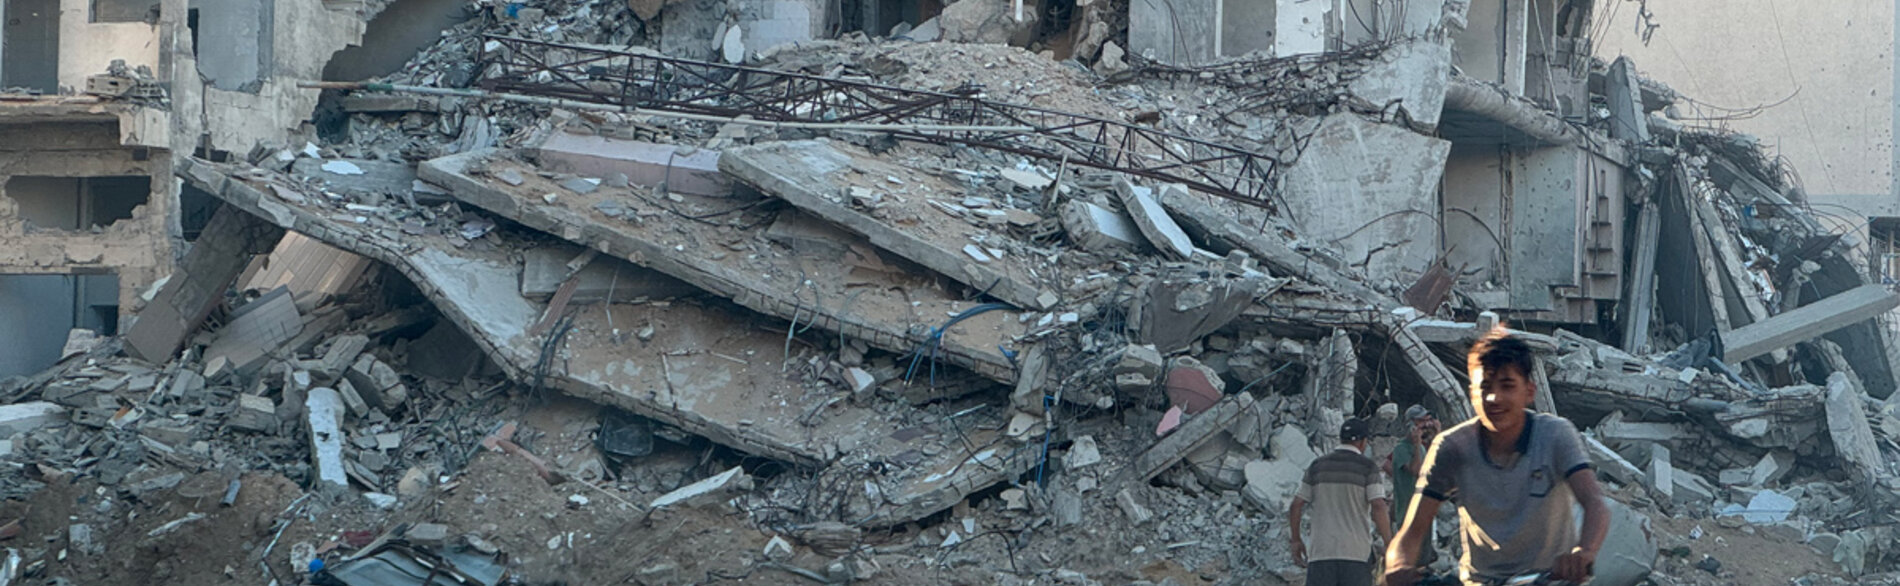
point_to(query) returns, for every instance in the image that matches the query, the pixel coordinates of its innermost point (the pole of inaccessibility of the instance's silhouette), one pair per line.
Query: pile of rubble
(895, 358)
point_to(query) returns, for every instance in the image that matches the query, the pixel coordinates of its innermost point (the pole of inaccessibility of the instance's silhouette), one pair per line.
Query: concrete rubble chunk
(1220, 464)
(1271, 484)
(1629, 550)
(341, 354)
(1691, 488)
(1133, 509)
(1099, 229)
(1661, 472)
(254, 413)
(546, 268)
(1083, 453)
(428, 534)
(20, 418)
(325, 411)
(712, 490)
(1289, 443)
(1190, 435)
(1771, 468)
(645, 164)
(1140, 359)
(1847, 425)
(1153, 221)
(257, 329)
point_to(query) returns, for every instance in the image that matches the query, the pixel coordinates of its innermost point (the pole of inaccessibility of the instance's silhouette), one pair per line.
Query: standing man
(1513, 475)
(1404, 464)
(1349, 502)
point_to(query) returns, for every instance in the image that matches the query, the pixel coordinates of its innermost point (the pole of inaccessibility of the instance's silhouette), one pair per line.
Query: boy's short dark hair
(1498, 349)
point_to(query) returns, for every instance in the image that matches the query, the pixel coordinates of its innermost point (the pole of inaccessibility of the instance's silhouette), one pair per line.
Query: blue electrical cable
(934, 340)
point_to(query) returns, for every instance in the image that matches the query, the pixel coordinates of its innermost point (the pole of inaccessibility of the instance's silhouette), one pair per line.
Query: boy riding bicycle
(1513, 475)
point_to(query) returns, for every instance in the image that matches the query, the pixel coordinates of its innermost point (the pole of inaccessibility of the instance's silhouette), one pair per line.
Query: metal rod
(579, 105)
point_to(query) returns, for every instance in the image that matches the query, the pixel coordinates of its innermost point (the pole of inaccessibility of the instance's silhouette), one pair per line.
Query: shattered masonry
(956, 295)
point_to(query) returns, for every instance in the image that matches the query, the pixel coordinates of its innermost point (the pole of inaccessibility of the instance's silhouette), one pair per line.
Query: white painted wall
(87, 48)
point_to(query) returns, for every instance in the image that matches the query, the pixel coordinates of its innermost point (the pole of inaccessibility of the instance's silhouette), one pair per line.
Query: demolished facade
(892, 295)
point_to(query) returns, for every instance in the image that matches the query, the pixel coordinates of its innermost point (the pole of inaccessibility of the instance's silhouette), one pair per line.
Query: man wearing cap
(1348, 498)
(1404, 465)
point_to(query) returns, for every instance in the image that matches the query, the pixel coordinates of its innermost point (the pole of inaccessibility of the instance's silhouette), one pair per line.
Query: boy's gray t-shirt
(1512, 520)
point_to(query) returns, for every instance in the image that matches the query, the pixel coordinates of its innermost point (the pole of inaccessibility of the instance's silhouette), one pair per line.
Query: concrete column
(1516, 44)
(1808, 322)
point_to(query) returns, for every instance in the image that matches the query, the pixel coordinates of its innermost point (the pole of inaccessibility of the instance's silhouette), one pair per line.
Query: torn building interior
(1028, 292)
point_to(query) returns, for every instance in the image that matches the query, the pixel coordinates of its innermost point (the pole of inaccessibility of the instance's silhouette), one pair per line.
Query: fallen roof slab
(734, 260)
(708, 371)
(817, 178)
(1808, 322)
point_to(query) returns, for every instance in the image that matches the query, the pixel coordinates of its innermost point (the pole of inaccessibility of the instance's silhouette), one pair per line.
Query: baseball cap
(1417, 412)
(1354, 429)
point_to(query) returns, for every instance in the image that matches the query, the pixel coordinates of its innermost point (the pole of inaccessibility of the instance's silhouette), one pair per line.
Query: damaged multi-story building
(895, 274)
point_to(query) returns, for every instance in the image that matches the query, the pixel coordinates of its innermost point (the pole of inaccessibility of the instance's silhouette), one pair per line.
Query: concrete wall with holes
(64, 160)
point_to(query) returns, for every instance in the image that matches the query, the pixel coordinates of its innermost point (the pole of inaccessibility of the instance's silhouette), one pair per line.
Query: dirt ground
(1749, 557)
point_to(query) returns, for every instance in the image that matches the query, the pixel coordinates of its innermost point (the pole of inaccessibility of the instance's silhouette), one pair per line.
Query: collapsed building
(906, 281)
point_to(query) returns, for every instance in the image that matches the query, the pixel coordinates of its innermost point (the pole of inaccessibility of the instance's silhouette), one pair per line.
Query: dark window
(145, 11)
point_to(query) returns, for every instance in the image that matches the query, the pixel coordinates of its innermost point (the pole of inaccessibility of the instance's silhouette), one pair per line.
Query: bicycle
(1530, 579)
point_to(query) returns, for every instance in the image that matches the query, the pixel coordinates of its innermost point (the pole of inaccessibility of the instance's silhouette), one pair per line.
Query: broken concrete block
(377, 383)
(351, 399)
(380, 500)
(1067, 507)
(1221, 463)
(186, 383)
(1083, 453)
(860, 380)
(1661, 472)
(257, 329)
(1153, 221)
(1193, 386)
(1271, 484)
(1289, 443)
(1098, 229)
(1691, 488)
(581, 185)
(1133, 383)
(1140, 359)
(1847, 426)
(1734, 476)
(1771, 468)
(1137, 514)
(341, 354)
(325, 411)
(79, 537)
(716, 489)
(80, 341)
(1629, 550)
(1611, 464)
(687, 171)
(1807, 322)
(24, 417)
(254, 413)
(429, 534)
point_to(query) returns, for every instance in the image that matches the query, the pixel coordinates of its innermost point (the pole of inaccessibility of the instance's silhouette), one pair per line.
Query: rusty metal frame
(653, 82)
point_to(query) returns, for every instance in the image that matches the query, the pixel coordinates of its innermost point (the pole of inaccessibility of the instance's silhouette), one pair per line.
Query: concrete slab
(1370, 190)
(1190, 435)
(257, 329)
(815, 176)
(644, 163)
(24, 417)
(1098, 229)
(1807, 322)
(546, 267)
(1412, 74)
(707, 370)
(770, 281)
(1153, 221)
(199, 282)
(374, 178)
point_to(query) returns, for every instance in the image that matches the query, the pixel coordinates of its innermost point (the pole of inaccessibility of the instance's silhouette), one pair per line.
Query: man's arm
(1404, 550)
(1293, 529)
(1577, 565)
(1382, 519)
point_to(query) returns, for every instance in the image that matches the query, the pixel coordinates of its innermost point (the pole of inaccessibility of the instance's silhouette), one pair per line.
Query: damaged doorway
(37, 311)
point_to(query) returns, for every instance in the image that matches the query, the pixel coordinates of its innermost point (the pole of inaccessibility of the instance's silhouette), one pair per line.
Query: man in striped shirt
(1348, 497)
